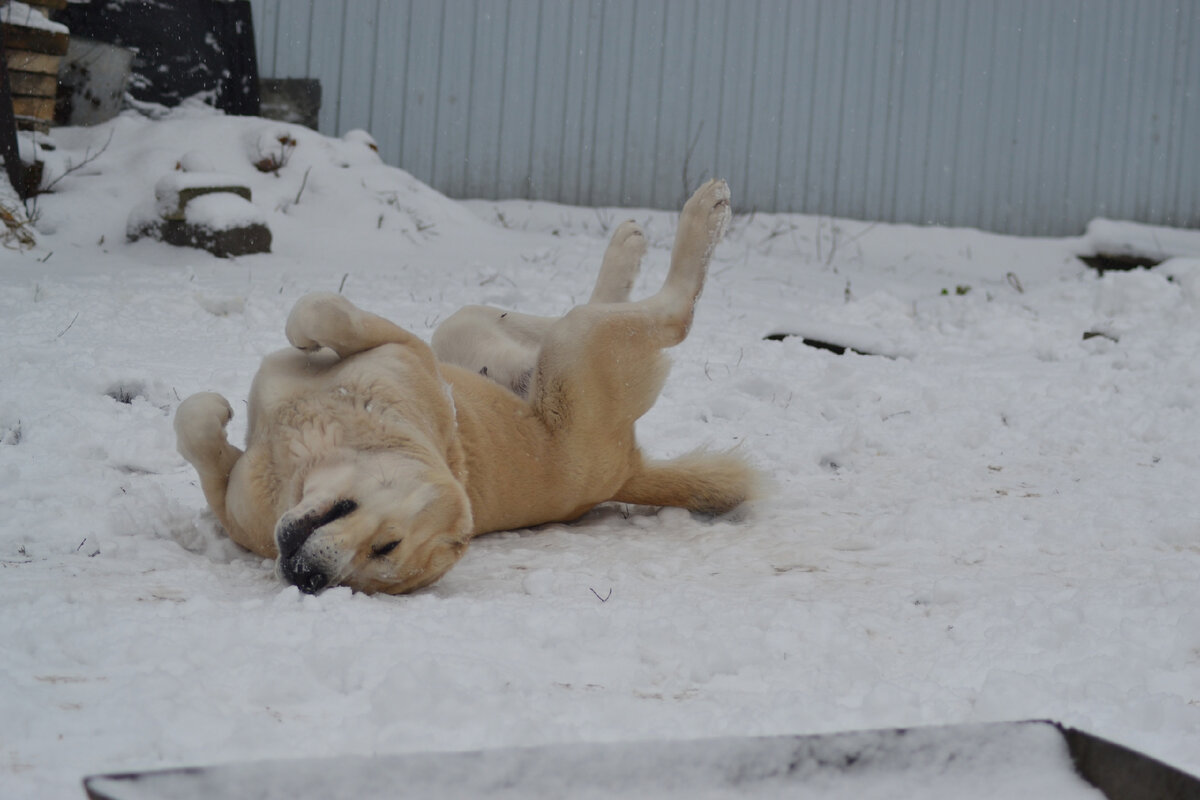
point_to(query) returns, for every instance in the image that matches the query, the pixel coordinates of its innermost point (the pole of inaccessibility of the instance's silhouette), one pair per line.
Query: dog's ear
(445, 512)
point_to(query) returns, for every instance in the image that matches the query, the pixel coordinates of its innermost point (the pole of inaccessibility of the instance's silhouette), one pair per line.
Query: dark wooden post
(8, 130)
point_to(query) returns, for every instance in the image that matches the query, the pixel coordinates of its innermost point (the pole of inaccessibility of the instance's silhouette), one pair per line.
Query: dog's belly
(289, 373)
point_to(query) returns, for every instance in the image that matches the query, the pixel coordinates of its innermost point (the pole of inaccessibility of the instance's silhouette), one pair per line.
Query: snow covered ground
(991, 522)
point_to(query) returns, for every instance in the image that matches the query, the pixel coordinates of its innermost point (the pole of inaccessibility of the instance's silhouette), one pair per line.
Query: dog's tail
(711, 483)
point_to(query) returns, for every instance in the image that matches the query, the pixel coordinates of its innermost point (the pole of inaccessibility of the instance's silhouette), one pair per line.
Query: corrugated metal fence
(1022, 116)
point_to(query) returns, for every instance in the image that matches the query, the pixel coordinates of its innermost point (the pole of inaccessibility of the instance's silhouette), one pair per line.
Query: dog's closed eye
(381, 550)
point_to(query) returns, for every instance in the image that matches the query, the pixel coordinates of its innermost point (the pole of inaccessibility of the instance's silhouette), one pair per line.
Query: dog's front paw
(315, 317)
(200, 424)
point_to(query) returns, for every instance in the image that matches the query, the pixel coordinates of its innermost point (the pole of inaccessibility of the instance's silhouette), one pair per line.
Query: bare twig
(862, 233)
(598, 597)
(303, 183)
(779, 230)
(64, 330)
(88, 158)
(835, 234)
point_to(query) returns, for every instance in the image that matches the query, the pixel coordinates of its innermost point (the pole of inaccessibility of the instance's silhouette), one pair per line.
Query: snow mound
(100, 174)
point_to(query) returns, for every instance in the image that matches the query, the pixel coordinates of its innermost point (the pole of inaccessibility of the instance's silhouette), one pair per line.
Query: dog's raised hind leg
(621, 264)
(702, 223)
(200, 438)
(613, 350)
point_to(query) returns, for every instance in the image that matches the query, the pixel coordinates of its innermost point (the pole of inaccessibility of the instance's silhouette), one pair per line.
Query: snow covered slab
(1020, 760)
(839, 337)
(1117, 237)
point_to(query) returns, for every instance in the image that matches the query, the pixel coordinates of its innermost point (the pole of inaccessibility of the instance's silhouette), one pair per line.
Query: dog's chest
(371, 396)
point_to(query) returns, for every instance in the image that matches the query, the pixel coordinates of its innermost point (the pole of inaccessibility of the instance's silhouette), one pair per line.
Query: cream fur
(371, 463)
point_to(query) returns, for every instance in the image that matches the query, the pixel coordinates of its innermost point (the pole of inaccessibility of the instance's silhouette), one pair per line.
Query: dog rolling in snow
(371, 463)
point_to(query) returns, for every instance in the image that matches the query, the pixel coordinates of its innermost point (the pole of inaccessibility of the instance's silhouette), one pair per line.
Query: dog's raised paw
(630, 237)
(709, 209)
(717, 200)
(200, 424)
(312, 317)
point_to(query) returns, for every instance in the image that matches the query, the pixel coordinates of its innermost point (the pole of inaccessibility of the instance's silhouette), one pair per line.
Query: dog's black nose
(292, 536)
(301, 573)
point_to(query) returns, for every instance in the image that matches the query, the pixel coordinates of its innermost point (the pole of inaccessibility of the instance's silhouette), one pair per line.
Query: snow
(993, 524)
(223, 211)
(26, 16)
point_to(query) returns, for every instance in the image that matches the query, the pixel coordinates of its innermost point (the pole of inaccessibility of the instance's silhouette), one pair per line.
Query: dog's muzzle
(295, 565)
(302, 574)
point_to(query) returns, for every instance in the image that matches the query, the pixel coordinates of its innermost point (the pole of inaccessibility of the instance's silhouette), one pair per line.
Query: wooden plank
(51, 5)
(40, 126)
(26, 61)
(32, 84)
(36, 107)
(18, 37)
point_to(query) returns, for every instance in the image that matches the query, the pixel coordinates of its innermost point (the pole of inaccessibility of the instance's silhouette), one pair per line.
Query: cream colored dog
(371, 464)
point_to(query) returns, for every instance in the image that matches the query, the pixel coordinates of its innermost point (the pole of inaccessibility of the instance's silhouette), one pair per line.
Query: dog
(371, 463)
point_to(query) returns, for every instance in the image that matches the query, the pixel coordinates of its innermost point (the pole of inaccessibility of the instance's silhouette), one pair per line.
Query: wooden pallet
(32, 56)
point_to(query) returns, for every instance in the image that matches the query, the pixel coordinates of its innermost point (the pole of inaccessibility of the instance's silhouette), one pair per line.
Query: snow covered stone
(207, 210)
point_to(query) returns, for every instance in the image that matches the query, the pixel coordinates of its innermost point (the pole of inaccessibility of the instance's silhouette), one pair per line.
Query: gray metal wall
(1022, 116)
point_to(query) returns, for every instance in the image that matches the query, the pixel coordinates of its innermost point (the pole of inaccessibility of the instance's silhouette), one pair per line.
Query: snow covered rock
(207, 210)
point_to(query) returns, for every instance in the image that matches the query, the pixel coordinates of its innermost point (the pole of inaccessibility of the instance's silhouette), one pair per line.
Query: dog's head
(376, 522)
